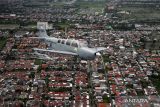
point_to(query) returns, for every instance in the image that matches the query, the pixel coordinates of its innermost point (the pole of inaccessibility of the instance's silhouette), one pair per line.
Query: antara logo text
(132, 100)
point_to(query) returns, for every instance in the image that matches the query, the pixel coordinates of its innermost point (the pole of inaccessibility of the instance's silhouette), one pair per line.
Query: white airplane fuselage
(59, 46)
(68, 46)
(71, 45)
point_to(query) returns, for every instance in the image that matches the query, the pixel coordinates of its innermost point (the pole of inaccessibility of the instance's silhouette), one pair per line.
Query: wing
(54, 51)
(98, 49)
(37, 37)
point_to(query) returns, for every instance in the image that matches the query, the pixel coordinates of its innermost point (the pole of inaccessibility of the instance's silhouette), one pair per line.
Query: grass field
(95, 4)
(31, 27)
(140, 13)
(9, 26)
(86, 7)
(38, 62)
(58, 4)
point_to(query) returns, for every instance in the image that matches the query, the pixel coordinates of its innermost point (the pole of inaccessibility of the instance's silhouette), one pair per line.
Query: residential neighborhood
(126, 73)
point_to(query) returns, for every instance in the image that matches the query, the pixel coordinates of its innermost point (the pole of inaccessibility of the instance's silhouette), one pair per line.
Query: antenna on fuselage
(65, 31)
(89, 40)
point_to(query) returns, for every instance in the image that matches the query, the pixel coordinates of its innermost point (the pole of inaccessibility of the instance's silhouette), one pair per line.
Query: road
(91, 91)
(108, 85)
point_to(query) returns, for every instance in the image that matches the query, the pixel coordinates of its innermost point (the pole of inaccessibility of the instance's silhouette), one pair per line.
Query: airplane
(68, 46)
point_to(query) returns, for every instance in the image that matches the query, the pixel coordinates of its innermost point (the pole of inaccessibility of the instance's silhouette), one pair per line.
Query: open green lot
(38, 62)
(87, 7)
(9, 26)
(141, 13)
(3, 41)
(95, 4)
(156, 82)
(58, 4)
(31, 27)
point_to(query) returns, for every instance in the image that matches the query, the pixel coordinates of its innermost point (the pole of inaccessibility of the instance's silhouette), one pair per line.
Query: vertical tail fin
(42, 32)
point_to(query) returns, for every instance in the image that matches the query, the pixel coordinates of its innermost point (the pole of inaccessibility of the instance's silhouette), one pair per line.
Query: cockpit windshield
(74, 44)
(68, 42)
(83, 43)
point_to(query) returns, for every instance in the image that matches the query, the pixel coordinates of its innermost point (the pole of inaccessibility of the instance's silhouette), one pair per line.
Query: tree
(39, 69)
(32, 75)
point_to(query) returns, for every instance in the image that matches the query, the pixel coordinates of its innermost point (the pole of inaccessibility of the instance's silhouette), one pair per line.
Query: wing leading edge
(54, 51)
(98, 49)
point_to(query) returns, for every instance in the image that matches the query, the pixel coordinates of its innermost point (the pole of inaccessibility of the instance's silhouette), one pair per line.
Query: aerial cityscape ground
(126, 74)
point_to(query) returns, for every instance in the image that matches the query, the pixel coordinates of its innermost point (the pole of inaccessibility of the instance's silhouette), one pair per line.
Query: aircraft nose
(98, 54)
(86, 53)
(89, 51)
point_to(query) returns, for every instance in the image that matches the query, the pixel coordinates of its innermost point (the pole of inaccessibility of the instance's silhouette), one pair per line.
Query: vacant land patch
(9, 26)
(141, 13)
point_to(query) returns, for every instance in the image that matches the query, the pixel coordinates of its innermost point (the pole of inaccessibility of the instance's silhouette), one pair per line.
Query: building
(44, 25)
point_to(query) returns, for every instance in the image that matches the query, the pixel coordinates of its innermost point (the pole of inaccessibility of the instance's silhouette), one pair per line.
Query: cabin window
(68, 42)
(59, 41)
(74, 44)
(63, 41)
